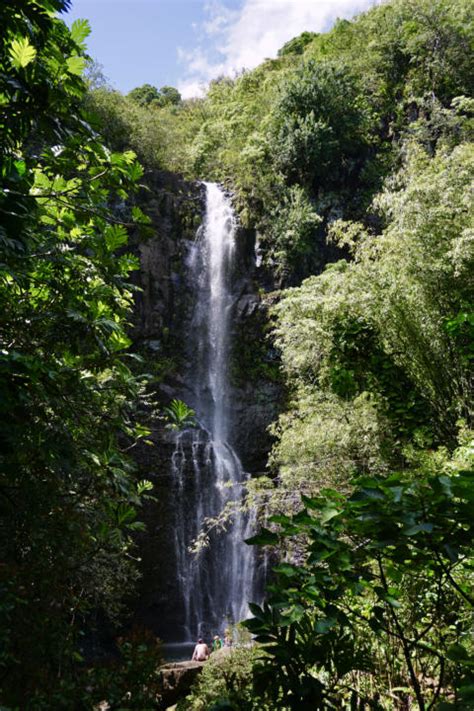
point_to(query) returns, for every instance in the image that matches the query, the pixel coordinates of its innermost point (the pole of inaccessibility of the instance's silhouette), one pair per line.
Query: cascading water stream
(216, 584)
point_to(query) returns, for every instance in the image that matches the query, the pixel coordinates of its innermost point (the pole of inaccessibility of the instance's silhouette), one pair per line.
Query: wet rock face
(156, 605)
(176, 209)
(252, 418)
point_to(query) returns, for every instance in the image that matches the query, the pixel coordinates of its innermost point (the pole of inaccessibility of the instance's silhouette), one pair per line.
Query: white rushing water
(217, 584)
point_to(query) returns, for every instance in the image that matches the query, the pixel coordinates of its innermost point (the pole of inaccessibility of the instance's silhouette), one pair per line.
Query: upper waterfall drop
(215, 297)
(217, 584)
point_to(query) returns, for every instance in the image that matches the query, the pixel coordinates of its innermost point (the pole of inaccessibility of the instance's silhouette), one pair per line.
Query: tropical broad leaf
(80, 29)
(286, 569)
(115, 236)
(137, 213)
(119, 340)
(136, 171)
(21, 53)
(143, 486)
(75, 65)
(180, 415)
(328, 514)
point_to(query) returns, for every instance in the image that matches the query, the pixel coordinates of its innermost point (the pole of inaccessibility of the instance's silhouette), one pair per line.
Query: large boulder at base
(176, 681)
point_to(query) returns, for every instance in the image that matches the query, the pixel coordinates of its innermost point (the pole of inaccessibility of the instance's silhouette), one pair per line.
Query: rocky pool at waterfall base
(178, 651)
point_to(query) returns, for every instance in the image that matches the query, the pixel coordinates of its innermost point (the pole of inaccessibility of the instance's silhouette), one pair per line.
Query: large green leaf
(21, 53)
(328, 514)
(76, 65)
(80, 29)
(115, 236)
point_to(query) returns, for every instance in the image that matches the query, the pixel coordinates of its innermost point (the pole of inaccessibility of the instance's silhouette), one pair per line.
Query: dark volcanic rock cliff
(176, 209)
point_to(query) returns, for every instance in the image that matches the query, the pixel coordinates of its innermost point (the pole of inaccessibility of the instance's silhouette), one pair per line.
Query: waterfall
(216, 584)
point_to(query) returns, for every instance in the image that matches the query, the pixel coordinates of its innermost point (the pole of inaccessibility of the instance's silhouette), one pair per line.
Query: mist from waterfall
(217, 583)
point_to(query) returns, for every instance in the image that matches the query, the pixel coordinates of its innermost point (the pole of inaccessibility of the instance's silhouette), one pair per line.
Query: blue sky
(186, 43)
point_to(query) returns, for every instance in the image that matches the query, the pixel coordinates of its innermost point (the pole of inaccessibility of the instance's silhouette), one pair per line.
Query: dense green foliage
(132, 681)
(148, 95)
(381, 613)
(378, 355)
(68, 495)
(225, 684)
(372, 603)
(158, 131)
(381, 346)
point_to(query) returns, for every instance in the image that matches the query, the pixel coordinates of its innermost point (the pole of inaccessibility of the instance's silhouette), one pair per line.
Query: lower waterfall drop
(217, 583)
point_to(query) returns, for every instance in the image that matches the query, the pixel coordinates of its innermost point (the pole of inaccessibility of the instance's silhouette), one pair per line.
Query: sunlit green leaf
(21, 53)
(76, 65)
(115, 236)
(80, 29)
(328, 514)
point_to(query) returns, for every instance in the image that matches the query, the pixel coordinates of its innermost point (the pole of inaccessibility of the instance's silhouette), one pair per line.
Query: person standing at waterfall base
(201, 652)
(216, 643)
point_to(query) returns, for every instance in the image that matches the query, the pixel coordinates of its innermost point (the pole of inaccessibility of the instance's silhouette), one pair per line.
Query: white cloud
(190, 89)
(232, 40)
(219, 17)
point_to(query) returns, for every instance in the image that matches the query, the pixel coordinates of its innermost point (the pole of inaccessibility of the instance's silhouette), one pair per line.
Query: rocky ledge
(176, 681)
